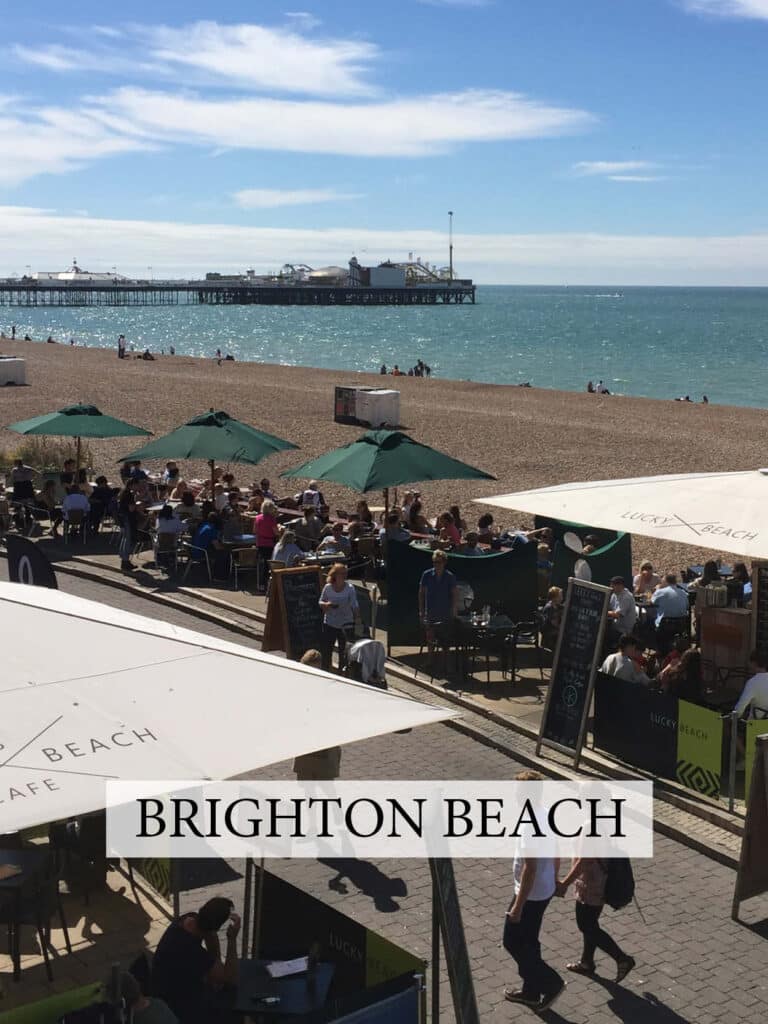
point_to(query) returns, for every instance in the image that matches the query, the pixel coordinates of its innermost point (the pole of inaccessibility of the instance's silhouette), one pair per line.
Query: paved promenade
(693, 963)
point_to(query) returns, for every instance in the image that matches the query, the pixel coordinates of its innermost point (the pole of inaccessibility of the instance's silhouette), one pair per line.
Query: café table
(324, 559)
(296, 996)
(474, 634)
(30, 860)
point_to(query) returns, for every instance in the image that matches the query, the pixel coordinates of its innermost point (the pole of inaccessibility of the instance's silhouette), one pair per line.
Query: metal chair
(196, 556)
(165, 549)
(34, 905)
(527, 633)
(75, 522)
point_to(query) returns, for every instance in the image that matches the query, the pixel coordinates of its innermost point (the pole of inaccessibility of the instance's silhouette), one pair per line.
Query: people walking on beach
(383, 369)
(13, 332)
(535, 882)
(588, 876)
(121, 346)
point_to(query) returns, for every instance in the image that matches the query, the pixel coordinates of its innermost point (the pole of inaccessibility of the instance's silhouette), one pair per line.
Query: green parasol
(215, 437)
(78, 421)
(381, 459)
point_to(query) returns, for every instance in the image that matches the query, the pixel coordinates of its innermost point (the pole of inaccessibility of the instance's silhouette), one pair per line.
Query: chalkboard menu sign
(294, 618)
(446, 904)
(577, 657)
(759, 606)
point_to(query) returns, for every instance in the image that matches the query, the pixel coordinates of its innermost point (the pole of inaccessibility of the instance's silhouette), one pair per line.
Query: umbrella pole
(78, 455)
(386, 505)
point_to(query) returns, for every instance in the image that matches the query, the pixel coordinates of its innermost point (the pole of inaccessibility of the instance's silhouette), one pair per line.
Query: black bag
(619, 882)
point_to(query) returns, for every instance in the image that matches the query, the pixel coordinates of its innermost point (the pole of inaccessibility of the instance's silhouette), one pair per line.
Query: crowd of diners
(655, 627)
(215, 513)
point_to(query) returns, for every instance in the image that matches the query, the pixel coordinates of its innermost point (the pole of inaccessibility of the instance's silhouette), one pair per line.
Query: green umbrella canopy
(385, 458)
(78, 421)
(215, 437)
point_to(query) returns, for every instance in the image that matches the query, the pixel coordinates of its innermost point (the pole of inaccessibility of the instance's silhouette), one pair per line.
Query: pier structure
(28, 292)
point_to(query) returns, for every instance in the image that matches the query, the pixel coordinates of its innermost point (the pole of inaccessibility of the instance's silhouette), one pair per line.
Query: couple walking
(535, 883)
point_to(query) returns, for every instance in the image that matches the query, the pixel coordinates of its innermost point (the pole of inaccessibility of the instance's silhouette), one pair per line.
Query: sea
(654, 342)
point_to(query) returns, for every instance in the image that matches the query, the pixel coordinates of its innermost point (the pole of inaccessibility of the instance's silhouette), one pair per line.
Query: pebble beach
(526, 437)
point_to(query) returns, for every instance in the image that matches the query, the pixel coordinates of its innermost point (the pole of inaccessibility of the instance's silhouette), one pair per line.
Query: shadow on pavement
(369, 880)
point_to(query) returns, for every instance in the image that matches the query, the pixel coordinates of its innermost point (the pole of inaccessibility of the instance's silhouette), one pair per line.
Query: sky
(575, 141)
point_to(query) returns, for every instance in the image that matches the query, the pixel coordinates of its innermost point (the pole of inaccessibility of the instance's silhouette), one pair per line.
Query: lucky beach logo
(707, 527)
(57, 751)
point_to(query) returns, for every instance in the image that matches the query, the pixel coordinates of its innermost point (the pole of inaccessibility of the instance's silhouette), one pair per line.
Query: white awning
(721, 511)
(90, 693)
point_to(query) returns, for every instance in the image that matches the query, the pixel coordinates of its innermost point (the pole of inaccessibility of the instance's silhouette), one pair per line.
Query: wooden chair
(245, 562)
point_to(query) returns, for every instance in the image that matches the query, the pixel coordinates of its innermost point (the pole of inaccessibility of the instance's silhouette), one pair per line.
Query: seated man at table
(67, 474)
(335, 543)
(623, 664)
(622, 611)
(287, 550)
(670, 600)
(393, 530)
(232, 524)
(75, 501)
(188, 970)
(470, 546)
(307, 529)
(188, 507)
(206, 537)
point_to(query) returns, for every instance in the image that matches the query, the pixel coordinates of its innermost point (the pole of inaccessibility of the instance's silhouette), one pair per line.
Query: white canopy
(90, 693)
(722, 511)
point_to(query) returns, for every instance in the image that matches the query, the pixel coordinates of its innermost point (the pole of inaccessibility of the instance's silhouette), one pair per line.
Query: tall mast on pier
(450, 245)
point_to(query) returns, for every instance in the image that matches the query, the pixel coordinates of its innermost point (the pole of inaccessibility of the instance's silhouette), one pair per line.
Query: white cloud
(30, 236)
(271, 198)
(257, 57)
(405, 127)
(637, 177)
(53, 140)
(600, 168)
(457, 3)
(303, 20)
(728, 8)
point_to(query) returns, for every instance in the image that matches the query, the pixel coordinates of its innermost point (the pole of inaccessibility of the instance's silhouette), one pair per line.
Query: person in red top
(266, 529)
(449, 532)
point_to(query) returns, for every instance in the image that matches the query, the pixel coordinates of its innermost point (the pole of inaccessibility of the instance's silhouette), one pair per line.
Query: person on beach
(588, 877)
(121, 346)
(535, 883)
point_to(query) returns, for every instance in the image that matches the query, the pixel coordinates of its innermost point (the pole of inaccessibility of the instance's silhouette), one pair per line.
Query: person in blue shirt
(670, 600)
(207, 537)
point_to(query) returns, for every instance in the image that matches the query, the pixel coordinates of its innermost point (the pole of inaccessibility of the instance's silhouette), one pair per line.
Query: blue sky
(593, 141)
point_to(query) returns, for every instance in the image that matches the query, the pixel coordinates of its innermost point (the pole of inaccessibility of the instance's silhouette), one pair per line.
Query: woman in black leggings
(588, 876)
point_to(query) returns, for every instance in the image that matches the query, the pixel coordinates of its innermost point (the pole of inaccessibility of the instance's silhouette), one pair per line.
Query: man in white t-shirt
(754, 696)
(535, 882)
(623, 665)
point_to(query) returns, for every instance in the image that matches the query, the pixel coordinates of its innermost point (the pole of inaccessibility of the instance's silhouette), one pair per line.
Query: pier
(32, 294)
